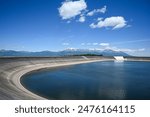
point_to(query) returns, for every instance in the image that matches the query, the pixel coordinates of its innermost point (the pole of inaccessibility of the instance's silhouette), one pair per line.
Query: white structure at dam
(119, 58)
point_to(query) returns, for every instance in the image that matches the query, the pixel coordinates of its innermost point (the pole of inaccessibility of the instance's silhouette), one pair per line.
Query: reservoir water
(92, 81)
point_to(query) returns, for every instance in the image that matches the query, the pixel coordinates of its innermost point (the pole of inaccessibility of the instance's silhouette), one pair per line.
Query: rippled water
(99, 80)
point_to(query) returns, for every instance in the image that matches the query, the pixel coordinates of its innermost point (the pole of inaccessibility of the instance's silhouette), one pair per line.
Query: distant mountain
(106, 52)
(66, 52)
(26, 53)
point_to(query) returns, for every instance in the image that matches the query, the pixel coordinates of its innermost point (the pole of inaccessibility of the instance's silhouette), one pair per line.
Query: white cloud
(142, 49)
(65, 44)
(91, 13)
(133, 41)
(93, 25)
(82, 19)
(128, 50)
(104, 44)
(99, 19)
(88, 43)
(131, 50)
(70, 9)
(125, 49)
(71, 49)
(102, 10)
(114, 22)
(82, 44)
(95, 44)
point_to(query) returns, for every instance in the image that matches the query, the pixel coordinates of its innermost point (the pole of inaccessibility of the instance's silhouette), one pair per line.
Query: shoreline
(13, 89)
(17, 75)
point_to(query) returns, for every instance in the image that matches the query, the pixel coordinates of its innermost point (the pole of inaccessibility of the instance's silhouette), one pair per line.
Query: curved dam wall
(12, 68)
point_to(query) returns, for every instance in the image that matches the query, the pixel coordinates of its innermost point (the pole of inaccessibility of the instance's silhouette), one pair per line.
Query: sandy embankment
(12, 70)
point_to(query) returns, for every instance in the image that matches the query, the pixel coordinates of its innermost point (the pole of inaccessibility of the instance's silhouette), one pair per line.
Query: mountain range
(66, 52)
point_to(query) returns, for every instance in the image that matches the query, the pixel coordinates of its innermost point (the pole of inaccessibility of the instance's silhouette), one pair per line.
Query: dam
(13, 68)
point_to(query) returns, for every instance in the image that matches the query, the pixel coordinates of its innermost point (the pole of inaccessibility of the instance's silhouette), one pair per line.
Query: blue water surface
(92, 81)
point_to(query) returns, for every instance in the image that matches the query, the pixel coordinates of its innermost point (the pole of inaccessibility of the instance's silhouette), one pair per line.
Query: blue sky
(37, 25)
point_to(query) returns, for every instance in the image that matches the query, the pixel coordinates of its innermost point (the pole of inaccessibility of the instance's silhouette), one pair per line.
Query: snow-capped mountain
(106, 52)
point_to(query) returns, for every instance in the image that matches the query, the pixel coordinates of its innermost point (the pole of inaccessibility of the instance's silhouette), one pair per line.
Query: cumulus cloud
(99, 19)
(70, 9)
(102, 10)
(104, 44)
(93, 25)
(82, 19)
(114, 22)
